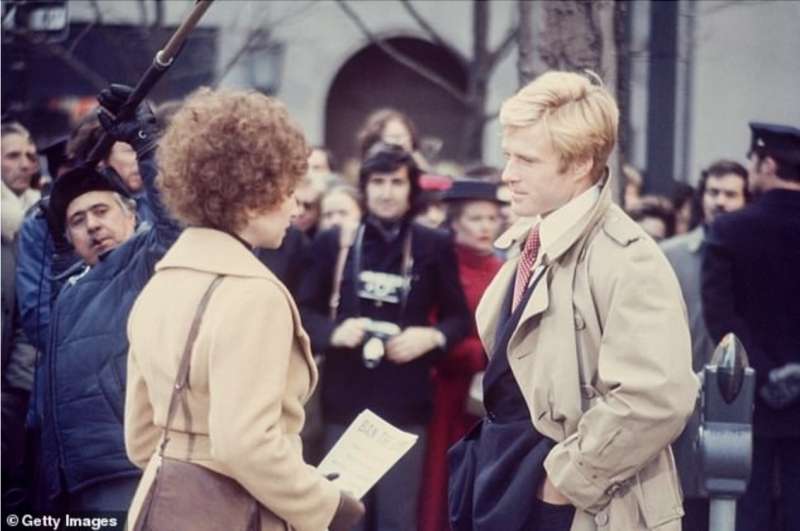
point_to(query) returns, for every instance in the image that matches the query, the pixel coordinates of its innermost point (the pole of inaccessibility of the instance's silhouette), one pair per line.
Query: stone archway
(370, 79)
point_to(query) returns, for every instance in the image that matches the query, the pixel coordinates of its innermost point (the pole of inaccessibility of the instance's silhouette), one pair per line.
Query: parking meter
(726, 435)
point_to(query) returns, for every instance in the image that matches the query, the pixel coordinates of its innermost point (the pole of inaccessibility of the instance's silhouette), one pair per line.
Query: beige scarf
(13, 208)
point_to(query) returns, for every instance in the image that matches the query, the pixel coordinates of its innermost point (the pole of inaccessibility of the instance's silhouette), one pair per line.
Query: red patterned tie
(525, 265)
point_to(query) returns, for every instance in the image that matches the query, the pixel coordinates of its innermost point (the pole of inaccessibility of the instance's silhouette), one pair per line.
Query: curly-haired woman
(229, 162)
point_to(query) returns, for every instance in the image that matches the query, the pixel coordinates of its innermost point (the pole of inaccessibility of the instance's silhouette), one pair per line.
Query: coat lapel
(538, 302)
(487, 314)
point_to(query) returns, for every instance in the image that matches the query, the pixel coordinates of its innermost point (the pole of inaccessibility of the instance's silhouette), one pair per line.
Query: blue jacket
(34, 270)
(34, 293)
(81, 382)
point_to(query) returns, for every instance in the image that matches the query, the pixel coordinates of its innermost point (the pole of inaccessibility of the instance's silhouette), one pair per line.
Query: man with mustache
(722, 188)
(80, 381)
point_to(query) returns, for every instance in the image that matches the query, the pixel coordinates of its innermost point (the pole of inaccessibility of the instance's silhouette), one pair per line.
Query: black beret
(473, 190)
(76, 182)
(781, 142)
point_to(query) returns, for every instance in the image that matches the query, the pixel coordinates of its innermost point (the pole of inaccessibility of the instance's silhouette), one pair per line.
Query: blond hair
(580, 118)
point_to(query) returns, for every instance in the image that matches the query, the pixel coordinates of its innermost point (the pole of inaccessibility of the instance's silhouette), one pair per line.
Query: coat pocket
(111, 380)
(657, 492)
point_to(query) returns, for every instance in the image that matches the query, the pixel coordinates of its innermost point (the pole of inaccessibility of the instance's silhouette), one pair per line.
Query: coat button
(588, 392)
(580, 324)
(601, 518)
(613, 489)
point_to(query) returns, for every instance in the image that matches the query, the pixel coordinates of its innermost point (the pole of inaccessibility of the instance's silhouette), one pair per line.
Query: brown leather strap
(182, 378)
(346, 237)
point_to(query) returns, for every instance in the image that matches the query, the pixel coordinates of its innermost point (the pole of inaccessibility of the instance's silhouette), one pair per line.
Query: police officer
(750, 287)
(396, 276)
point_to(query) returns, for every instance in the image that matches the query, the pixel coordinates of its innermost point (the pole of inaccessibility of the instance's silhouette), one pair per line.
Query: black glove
(348, 514)
(783, 388)
(140, 131)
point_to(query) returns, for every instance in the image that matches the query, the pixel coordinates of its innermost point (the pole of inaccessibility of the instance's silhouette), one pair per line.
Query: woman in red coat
(474, 217)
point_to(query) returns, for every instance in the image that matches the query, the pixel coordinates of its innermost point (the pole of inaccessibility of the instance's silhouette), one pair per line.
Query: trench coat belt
(179, 443)
(178, 446)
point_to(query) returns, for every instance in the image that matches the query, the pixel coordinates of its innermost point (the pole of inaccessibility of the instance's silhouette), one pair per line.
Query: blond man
(589, 378)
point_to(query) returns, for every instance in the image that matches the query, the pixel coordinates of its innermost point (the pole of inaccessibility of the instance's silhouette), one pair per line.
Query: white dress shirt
(555, 224)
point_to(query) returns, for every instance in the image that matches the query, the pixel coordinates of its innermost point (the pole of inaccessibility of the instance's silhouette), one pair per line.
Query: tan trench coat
(251, 373)
(609, 308)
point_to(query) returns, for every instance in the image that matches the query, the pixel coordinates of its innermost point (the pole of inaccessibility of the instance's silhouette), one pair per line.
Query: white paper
(365, 452)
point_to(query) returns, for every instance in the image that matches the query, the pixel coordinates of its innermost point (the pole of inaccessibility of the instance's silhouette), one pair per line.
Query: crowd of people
(367, 279)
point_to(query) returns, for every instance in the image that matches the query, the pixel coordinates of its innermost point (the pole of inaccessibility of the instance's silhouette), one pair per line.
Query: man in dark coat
(80, 386)
(289, 260)
(722, 188)
(395, 274)
(751, 287)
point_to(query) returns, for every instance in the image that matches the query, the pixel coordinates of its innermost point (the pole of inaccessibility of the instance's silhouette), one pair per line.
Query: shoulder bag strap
(345, 244)
(182, 378)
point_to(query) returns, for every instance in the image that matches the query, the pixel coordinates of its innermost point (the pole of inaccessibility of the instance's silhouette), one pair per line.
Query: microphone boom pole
(161, 63)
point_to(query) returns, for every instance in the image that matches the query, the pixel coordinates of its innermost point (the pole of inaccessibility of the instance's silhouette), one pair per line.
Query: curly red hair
(227, 153)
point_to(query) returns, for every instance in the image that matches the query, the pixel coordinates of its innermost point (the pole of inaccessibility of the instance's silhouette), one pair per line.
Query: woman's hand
(349, 513)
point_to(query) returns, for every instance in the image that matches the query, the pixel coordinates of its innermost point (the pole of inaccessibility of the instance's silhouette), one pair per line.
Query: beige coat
(251, 373)
(610, 300)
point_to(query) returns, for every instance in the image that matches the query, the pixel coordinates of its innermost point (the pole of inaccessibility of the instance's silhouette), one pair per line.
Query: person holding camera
(396, 305)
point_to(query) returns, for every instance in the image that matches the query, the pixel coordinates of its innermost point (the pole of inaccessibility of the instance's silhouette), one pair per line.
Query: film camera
(378, 332)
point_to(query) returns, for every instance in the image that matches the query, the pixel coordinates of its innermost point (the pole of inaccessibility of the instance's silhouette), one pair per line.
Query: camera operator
(393, 272)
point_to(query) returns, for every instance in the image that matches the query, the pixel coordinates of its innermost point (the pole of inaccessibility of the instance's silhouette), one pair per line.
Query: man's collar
(517, 233)
(389, 230)
(554, 225)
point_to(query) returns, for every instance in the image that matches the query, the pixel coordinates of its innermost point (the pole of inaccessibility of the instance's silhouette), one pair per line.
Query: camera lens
(372, 352)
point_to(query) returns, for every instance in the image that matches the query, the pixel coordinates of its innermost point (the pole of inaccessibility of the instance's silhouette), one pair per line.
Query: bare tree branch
(98, 19)
(56, 50)
(403, 59)
(503, 48)
(252, 37)
(425, 25)
(480, 32)
(158, 18)
(98, 15)
(262, 30)
(526, 70)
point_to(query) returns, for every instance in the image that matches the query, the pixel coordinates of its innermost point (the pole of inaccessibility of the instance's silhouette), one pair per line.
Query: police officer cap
(75, 183)
(473, 190)
(781, 142)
